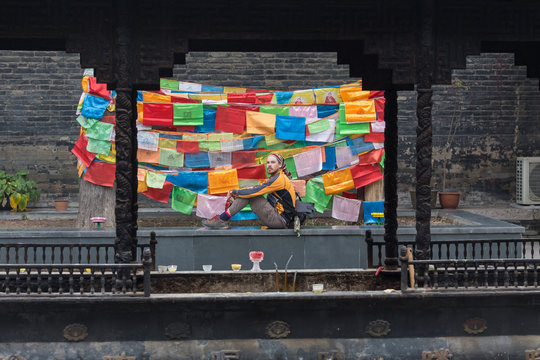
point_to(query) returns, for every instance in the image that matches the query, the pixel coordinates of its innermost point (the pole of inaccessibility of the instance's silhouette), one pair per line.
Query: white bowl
(318, 288)
(207, 267)
(162, 268)
(172, 268)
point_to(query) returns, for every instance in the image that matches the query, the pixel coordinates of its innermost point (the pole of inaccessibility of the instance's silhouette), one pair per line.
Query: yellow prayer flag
(360, 111)
(220, 182)
(167, 143)
(327, 96)
(228, 89)
(302, 97)
(140, 111)
(155, 98)
(260, 123)
(141, 186)
(336, 182)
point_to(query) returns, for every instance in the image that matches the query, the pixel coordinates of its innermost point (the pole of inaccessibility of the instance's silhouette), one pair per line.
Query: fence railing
(77, 279)
(82, 253)
(469, 249)
(465, 274)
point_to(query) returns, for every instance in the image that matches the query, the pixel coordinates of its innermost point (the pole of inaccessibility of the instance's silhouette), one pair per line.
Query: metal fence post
(147, 264)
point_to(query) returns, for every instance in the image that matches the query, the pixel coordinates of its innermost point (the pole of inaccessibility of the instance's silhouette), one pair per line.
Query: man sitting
(276, 211)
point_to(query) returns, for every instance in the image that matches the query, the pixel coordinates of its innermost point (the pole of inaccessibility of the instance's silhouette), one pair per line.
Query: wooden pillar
(424, 76)
(126, 136)
(390, 179)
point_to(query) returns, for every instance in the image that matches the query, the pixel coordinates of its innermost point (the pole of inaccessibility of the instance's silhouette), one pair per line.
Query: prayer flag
(86, 122)
(358, 145)
(242, 98)
(365, 174)
(300, 97)
(99, 146)
(158, 114)
(326, 110)
(94, 106)
(187, 86)
(167, 143)
(276, 110)
(100, 131)
(219, 159)
(329, 158)
(155, 97)
(209, 121)
(379, 108)
(168, 84)
(316, 194)
(283, 97)
(377, 126)
(360, 111)
(209, 206)
(344, 156)
(353, 92)
(291, 167)
(299, 187)
(290, 127)
(155, 180)
(264, 98)
(338, 181)
(323, 131)
(343, 128)
(374, 137)
(257, 172)
(187, 146)
(182, 200)
(141, 174)
(141, 186)
(197, 160)
(371, 157)
(316, 126)
(215, 89)
(220, 182)
(308, 112)
(97, 89)
(252, 143)
(371, 207)
(327, 96)
(232, 145)
(170, 157)
(308, 162)
(187, 114)
(193, 180)
(148, 156)
(241, 159)
(79, 150)
(346, 209)
(100, 173)
(260, 123)
(161, 195)
(230, 120)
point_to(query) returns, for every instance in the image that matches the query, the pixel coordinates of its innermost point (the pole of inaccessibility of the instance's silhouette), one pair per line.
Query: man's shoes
(216, 223)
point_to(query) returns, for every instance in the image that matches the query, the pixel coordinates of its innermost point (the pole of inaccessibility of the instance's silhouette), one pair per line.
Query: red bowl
(256, 255)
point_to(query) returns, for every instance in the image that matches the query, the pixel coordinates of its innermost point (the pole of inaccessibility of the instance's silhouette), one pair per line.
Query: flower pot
(433, 200)
(449, 200)
(60, 205)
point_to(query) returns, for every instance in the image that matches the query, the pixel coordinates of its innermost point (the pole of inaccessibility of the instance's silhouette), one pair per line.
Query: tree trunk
(96, 201)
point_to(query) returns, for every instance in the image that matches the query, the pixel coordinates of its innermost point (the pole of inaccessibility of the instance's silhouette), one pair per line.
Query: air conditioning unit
(528, 180)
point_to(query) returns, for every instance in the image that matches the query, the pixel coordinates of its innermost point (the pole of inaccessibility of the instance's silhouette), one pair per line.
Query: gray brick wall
(496, 106)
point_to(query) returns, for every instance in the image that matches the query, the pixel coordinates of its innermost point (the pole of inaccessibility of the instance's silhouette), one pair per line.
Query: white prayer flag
(324, 136)
(148, 140)
(308, 162)
(209, 206)
(378, 126)
(346, 209)
(232, 145)
(344, 156)
(218, 158)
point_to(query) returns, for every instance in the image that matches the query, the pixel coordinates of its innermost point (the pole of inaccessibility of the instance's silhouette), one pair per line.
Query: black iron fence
(466, 249)
(82, 253)
(466, 274)
(77, 279)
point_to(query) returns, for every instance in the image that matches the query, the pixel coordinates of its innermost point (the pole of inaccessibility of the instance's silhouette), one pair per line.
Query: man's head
(274, 162)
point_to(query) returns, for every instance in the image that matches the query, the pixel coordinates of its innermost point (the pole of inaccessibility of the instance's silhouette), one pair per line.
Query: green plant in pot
(17, 190)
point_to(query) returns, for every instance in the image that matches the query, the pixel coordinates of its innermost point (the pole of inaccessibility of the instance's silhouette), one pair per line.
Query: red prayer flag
(374, 137)
(365, 174)
(230, 120)
(178, 99)
(252, 173)
(264, 99)
(161, 195)
(186, 127)
(242, 159)
(94, 88)
(242, 98)
(245, 108)
(379, 108)
(187, 146)
(371, 157)
(79, 150)
(349, 195)
(256, 90)
(110, 119)
(158, 114)
(376, 94)
(100, 173)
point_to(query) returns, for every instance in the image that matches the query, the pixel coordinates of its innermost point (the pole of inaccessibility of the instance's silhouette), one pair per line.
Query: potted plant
(450, 199)
(17, 190)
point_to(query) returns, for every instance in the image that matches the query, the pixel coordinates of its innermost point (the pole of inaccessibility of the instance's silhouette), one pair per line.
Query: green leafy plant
(18, 190)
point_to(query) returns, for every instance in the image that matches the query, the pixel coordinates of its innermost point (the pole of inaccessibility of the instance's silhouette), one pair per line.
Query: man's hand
(230, 196)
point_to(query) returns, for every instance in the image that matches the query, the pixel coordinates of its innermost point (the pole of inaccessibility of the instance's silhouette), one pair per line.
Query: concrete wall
(494, 106)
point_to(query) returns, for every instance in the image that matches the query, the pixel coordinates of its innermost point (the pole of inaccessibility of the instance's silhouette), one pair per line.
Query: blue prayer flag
(372, 207)
(290, 127)
(283, 97)
(330, 157)
(209, 121)
(326, 110)
(252, 143)
(194, 180)
(94, 107)
(197, 160)
(358, 145)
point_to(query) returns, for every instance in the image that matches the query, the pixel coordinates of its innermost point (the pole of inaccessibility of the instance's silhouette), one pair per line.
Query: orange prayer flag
(148, 156)
(220, 182)
(360, 111)
(260, 123)
(155, 97)
(353, 92)
(141, 175)
(336, 182)
(141, 186)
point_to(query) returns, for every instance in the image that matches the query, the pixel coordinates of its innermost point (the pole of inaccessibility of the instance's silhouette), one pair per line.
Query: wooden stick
(277, 278)
(294, 282)
(410, 267)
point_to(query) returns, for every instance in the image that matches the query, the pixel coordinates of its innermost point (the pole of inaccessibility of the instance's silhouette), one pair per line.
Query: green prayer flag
(183, 199)
(318, 126)
(99, 146)
(194, 137)
(276, 110)
(272, 140)
(170, 157)
(187, 114)
(100, 131)
(220, 136)
(214, 145)
(382, 161)
(291, 167)
(167, 143)
(204, 145)
(155, 180)
(169, 84)
(86, 122)
(343, 128)
(297, 145)
(315, 193)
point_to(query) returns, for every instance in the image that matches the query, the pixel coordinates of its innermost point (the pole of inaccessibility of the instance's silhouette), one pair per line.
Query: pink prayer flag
(377, 126)
(300, 187)
(308, 162)
(346, 209)
(344, 156)
(209, 206)
(309, 112)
